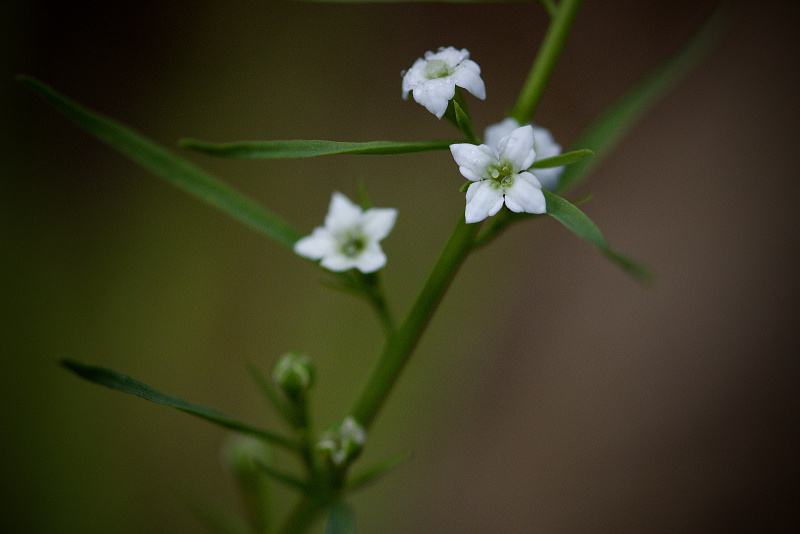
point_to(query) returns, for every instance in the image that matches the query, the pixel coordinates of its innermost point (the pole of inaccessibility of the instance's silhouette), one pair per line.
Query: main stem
(400, 345)
(545, 61)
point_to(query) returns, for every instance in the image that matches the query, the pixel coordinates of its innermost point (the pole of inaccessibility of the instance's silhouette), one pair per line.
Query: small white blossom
(345, 443)
(349, 238)
(433, 80)
(543, 143)
(498, 173)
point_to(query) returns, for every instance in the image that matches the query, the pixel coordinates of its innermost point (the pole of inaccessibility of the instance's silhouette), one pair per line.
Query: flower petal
(473, 160)
(435, 94)
(483, 200)
(371, 258)
(517, 148)
(413, 76)
(338, 262)
(549, 178)
(378, 222)
(525, 194)
(450, 55)
(315, 246)
(342, 213)
(468, 76)
(492, 134)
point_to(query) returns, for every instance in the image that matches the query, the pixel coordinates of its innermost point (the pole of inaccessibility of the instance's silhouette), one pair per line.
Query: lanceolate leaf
(126, 384)
(562, 159)
(464, 123)
(169, 166)
(371, 474)
(604, 134)
(577, 222)
(307, 149)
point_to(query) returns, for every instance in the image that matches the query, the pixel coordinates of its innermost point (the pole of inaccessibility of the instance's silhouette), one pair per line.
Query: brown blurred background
(551, 392)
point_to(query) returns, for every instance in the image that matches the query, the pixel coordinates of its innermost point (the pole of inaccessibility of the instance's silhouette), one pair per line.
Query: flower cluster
(499, 170)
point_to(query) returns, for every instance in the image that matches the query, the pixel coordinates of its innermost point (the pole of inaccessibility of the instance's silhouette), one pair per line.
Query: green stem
(401, 344)
(305, 512)
(545, 61)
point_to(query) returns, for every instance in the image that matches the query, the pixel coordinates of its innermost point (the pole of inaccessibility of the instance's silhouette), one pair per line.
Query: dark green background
(550, 394)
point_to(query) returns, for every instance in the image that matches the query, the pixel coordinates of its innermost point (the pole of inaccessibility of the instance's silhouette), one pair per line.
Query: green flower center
(352, 245)
(501, 175)
(436, 68)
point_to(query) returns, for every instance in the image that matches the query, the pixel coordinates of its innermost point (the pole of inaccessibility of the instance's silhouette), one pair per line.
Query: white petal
(473, 160)
(414, 76)
(449, 55)
(517, 148)
(483, 200)
(492, 134)
(435, 94)
(315, 246)
(338, 262)
(544, 144)
(548, 178)
(371, 259)
(468, 76)
(342, 213)
(525, 194)
(378, 222)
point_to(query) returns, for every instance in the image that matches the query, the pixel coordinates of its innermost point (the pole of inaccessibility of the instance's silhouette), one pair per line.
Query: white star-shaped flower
(349, 238)
(433, 80)
(498, 173)
(543, 143)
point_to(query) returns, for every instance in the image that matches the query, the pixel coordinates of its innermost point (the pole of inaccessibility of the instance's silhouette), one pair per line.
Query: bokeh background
(551, 393)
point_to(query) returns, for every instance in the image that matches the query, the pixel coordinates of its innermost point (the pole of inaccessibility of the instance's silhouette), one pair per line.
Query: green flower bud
(294, 374)
(345, 444)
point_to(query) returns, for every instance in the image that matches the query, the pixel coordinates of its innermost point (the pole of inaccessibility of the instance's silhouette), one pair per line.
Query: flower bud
(345, 444)
(294, 374)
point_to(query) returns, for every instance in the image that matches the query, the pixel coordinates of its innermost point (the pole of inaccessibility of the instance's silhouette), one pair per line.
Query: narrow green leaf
(340, 520)
(577, 222)
(126, 384)
(170, 167)
(464, 186)
(284, 478)
(562, 159)
(371, 474)
(464, 123)
(268, 389)
(306, 149)
(607, 130)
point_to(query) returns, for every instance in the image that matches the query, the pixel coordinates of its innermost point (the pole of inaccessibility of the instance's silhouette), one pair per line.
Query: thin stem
(399, 346)
(305, 512)
(545, 61)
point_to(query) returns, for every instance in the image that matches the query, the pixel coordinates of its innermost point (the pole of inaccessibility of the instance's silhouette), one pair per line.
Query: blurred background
(551, 393)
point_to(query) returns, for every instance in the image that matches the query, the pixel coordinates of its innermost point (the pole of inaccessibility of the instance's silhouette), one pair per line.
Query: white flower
(433, 80)
(499, 175)
(349, 238)
(543, 143)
